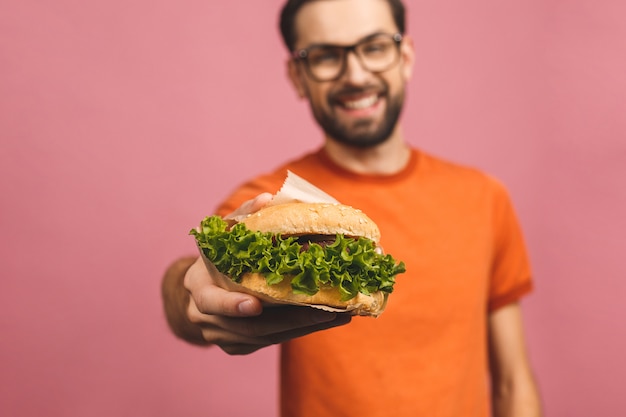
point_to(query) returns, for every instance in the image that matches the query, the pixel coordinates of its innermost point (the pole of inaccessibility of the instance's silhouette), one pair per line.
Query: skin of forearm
(176, 300)
(511, 399)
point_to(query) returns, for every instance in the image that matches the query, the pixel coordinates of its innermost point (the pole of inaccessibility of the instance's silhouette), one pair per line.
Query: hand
(237, 322)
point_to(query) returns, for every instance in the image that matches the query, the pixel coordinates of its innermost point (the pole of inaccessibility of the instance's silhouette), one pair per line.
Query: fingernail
(246, 307)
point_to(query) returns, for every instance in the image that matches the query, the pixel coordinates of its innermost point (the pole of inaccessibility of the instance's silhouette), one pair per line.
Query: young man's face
(360, 108)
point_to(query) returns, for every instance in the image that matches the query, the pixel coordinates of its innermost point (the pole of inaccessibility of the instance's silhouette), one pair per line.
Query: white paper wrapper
(297, 189)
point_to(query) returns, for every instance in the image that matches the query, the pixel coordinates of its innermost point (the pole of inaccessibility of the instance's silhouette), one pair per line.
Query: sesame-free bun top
(313, 219)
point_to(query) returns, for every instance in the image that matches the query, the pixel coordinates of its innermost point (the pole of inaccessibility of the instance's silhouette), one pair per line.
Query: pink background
(123, 123)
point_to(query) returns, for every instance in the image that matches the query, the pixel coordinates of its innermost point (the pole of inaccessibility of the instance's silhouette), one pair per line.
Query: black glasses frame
(303, 54)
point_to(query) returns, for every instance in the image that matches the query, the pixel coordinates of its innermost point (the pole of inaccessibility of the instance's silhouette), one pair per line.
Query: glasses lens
(378, 54)
(325, 62)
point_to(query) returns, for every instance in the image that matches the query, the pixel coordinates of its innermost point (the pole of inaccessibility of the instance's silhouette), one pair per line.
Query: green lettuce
(350, 264)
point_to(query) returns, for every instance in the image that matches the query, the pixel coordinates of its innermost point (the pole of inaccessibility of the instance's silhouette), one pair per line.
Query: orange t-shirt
(426, 355)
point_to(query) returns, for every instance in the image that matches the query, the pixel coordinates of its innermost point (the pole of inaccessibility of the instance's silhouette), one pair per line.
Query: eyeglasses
(376, 53)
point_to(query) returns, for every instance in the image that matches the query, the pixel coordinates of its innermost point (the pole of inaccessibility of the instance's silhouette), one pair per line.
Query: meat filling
(322, 240)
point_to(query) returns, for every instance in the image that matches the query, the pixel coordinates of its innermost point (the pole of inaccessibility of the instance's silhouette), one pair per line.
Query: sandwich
(323, 255)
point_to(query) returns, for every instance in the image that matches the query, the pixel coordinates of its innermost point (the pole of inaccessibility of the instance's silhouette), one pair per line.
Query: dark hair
(291, 8)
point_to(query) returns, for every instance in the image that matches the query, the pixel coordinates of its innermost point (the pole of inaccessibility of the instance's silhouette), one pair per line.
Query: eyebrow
(335, 45)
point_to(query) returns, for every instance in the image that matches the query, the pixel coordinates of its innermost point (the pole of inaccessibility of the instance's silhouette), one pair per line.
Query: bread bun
(296, 219)
(307, 222)
(313, 219)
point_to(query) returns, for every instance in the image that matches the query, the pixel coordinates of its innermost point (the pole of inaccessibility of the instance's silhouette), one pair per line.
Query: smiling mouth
(361, 103)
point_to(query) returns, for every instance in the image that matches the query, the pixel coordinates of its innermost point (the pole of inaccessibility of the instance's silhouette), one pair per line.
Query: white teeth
(362, 103)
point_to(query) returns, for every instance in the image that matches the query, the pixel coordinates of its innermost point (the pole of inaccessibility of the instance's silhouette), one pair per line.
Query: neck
(387, 158)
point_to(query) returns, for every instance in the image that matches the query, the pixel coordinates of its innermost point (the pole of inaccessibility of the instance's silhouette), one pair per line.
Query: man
(452, 316)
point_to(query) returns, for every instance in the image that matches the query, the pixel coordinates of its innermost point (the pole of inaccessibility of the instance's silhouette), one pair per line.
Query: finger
(217, 301)
(259, 202)
(241, 345)
(208, 298)
(339, 320)
(276, 320)
(251, 206)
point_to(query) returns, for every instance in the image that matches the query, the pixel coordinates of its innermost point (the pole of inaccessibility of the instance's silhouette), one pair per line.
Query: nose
(354, 72)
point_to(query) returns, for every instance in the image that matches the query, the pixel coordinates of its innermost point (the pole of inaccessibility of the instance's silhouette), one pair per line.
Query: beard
(363, 133)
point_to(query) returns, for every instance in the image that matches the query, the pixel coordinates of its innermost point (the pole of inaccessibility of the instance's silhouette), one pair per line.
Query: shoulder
(458, 176)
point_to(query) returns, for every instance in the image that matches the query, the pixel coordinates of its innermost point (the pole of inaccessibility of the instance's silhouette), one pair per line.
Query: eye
(376, 47)
(324, 56)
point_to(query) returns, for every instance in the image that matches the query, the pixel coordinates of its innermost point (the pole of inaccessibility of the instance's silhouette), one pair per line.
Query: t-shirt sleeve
(511, 276)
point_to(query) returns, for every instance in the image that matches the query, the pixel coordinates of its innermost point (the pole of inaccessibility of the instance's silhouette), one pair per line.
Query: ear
(407, 56)
(296, 78)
